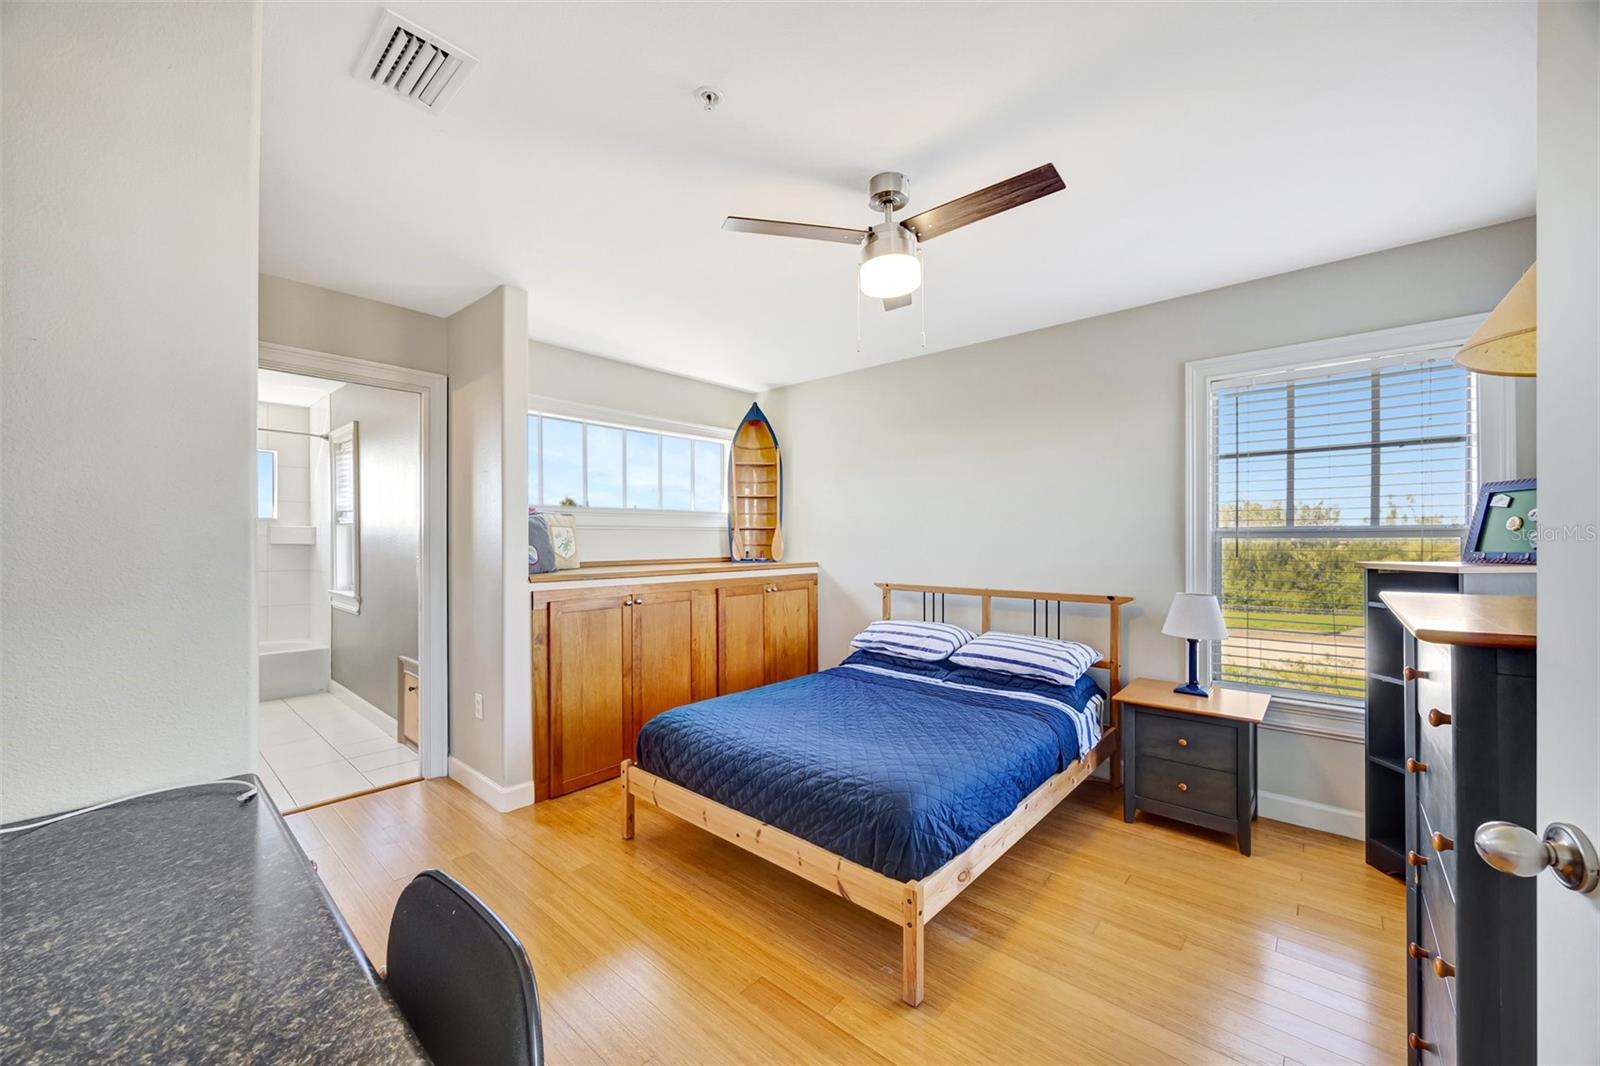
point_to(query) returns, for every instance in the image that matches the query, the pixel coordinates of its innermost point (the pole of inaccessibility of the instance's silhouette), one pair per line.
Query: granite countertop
(184, 927)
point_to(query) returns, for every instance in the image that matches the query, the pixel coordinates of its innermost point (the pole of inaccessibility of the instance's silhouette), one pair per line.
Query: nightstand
(1191, 758)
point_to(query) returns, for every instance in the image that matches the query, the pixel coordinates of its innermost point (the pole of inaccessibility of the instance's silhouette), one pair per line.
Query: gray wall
(365, 646)
(1055, 459)
(130, 146)
(298, 315)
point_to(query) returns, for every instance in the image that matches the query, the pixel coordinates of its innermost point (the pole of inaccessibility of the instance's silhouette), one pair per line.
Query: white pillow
(1060, 662)
(924, 641)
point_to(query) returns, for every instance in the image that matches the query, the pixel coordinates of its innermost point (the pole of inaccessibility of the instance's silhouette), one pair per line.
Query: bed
(889, 782)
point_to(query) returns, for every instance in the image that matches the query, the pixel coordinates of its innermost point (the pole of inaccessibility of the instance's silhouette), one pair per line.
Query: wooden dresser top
(1473, 621)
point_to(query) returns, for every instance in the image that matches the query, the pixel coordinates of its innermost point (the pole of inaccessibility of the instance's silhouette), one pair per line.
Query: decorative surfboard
(755, 491)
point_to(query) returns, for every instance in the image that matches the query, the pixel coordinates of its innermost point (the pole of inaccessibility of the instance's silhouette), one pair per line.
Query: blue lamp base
(1193, 688)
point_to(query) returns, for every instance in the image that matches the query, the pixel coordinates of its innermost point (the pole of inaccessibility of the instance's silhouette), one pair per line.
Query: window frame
(345, 599)
(1495, 451)
(625, 516)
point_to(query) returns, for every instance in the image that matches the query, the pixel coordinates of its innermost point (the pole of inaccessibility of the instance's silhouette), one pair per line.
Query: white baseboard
(371, 712)
(1312, 815)
(500, 797)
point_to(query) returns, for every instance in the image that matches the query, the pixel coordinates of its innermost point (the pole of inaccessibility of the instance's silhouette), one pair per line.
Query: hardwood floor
(1090, 941)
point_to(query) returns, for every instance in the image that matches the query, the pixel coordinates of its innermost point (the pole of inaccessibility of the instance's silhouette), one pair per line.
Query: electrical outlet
(477, 705)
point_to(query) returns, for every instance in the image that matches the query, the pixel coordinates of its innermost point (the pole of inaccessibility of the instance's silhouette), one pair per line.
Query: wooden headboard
(933, 602)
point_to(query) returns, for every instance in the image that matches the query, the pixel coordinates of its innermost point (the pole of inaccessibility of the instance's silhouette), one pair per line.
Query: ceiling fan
(891, 268)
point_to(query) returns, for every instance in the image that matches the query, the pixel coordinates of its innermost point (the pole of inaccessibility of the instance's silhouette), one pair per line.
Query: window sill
(341, 601)
(640, 518)
(1314, 718)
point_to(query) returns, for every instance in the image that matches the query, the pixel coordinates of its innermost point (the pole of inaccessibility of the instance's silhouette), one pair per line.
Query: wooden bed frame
(910, 904)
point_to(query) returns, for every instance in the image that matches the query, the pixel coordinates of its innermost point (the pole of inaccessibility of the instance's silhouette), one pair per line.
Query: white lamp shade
(1195, 616)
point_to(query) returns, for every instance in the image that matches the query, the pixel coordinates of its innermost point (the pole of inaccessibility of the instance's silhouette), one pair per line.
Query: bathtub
(292, 668)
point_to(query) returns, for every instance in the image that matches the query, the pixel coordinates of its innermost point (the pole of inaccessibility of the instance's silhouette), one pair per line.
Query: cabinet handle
(1183, 742)
(1443, 969)
(1416, 860)
(411, 688)
(1415, 767)
(1411, 673)
(628, 602)
(1417, 951)
(638, 599)
(1182, 787)
(1438, 717)
(1442, 842)
(1416, 1043)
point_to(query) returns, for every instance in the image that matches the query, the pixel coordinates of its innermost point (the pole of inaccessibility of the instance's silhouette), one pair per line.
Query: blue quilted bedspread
(895, 765)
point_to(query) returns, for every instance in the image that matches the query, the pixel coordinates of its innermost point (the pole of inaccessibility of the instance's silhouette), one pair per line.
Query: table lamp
(1195, 616)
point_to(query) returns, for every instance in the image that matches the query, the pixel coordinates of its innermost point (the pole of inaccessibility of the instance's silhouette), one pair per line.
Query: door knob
(1564, 849)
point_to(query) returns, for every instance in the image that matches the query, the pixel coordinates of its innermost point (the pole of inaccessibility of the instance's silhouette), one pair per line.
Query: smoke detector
(412, 63)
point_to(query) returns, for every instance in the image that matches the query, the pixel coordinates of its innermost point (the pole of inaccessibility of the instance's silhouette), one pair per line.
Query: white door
(1569, 491)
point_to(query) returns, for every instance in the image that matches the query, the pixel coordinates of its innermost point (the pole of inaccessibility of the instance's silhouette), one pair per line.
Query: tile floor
(316, 748)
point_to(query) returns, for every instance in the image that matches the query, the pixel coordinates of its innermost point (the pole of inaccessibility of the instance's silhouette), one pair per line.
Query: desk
(183, 926)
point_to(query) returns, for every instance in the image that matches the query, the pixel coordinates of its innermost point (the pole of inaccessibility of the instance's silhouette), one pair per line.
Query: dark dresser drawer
(1440, 907)
(1194, 787)
(1444, 862)
(1191, 742)
(1436, 786)
(1436, 1018)
(1433, 688)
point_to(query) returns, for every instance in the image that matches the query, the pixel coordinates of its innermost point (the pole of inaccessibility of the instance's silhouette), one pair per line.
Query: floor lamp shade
(1508, 341)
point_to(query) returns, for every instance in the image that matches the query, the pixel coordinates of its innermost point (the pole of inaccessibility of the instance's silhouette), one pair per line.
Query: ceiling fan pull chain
(858, 319)
(922, 304)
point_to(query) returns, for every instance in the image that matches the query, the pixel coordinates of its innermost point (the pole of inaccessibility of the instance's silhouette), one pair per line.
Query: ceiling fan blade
(895, 303)
(773, 228)
(976, 206)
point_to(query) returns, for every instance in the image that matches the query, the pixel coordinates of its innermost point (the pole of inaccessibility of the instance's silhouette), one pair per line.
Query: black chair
(461, 978)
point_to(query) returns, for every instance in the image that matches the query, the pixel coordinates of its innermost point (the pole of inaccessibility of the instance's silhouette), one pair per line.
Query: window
(1310, 466)
(345, 565)
(579, 463)
(266, 484)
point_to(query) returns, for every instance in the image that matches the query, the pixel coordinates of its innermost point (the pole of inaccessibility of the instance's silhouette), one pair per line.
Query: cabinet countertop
(1473, 621)
(627, 571)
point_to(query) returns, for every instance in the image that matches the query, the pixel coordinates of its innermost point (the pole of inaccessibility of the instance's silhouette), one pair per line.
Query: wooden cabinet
(608, 659)
(766, 632)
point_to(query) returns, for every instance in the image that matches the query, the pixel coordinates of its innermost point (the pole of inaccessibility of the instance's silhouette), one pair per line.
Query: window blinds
(1315, 469)
(344, 481)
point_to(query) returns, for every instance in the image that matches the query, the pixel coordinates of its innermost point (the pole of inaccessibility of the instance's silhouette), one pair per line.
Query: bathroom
(338, 547)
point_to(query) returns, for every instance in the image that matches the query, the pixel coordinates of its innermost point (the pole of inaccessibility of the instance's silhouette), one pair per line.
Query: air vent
(404, 59)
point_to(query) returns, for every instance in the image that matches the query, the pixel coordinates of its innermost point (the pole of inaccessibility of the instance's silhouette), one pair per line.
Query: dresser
(1385, 763)
(1469, 679)
(616, 644)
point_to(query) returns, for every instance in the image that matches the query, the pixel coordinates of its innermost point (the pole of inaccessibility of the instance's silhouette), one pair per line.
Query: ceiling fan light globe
(885, 277)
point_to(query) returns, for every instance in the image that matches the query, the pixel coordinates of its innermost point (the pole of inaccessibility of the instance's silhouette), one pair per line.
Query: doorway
(351, 575)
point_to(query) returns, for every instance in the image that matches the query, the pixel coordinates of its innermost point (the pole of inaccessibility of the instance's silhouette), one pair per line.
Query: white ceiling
(292, 390)
(1202, 144)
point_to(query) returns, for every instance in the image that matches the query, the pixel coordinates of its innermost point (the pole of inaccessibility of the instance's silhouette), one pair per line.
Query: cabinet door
(788, 631)
(591, 666)
(672, 650)
(741, 637)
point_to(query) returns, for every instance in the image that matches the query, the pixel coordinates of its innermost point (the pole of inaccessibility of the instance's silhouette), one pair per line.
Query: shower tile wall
(283, 571)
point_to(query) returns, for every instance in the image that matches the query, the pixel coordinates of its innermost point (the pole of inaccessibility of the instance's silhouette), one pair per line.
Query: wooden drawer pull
(1437, 717)
(1183, 742)
(1416, 860)
(1443, 969)
(1416, 1043)
(1411, 673)
(1417, 951)
(1182, 787)
(1442, 842)
(1415, 767)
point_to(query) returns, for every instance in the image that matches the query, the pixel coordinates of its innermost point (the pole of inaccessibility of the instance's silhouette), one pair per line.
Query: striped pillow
(926, 641)
(1061, 662)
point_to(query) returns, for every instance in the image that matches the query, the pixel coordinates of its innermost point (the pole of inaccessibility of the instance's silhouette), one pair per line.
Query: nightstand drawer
(1195, 787)
(1189, 741)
